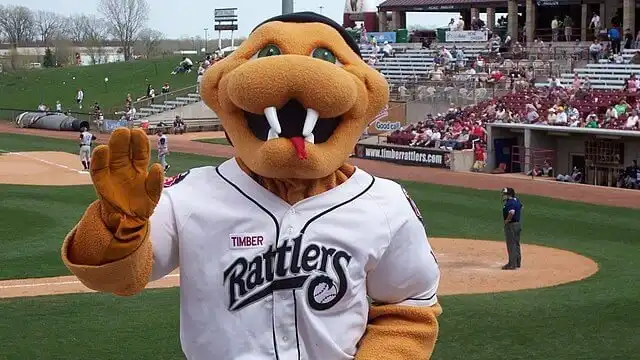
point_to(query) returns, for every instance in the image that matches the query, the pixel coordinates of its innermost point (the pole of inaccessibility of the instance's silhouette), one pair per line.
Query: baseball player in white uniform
(86, 139)
(163, 149)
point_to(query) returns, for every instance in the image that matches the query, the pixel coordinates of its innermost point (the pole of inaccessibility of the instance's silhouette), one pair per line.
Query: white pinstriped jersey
(86, 138)
(163, 144)
(261, 279)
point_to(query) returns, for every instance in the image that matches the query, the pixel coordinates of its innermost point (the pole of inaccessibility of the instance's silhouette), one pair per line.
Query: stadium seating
(412, 63)
(604, 75)
(168, 105)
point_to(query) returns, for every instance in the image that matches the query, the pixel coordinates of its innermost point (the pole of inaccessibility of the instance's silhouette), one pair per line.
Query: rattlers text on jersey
(261, 279)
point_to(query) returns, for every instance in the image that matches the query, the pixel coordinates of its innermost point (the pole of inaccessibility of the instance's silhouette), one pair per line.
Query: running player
(86, 139)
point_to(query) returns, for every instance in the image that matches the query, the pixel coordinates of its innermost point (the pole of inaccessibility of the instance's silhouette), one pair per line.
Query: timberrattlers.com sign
(407, 156)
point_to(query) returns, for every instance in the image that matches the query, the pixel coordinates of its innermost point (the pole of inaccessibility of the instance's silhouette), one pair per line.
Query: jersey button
(292, 211)
(290, 229)
(284, 338)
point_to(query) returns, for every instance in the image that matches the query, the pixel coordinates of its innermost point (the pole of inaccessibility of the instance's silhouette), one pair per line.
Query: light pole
(321, 7)
(206, 41)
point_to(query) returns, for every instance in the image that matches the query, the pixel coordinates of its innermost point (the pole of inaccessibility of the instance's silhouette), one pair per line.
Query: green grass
(26, 89)
(34, 219)
(218, 141)
(594, 319)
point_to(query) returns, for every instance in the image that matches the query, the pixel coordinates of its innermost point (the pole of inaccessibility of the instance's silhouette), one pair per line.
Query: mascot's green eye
(269, 50)
(324, 54)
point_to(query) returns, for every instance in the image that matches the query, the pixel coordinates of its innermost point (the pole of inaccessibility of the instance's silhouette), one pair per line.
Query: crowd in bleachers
(459, 128)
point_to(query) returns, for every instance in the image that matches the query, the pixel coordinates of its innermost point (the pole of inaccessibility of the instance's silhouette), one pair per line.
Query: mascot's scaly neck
(294, 190)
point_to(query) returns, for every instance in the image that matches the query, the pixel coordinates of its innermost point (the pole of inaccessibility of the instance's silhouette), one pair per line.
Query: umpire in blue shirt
(511, 214)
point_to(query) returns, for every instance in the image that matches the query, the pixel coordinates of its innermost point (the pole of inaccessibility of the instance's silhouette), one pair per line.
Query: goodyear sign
(391, 118)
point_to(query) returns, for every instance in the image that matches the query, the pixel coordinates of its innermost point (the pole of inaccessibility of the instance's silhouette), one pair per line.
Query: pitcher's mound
(474, 267)
(42, 168)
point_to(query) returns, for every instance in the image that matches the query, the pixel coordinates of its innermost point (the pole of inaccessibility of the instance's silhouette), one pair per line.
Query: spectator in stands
(577, 83)
(586, 85)
(452, 24)
(592, 121)
(621, 107)
(633, 121)
(58, 106)
(635, 59)
(628, 39)
(615, 37)
(561, 117)
(179, 126)
(372, 60)
(554, 82)
(165, 88)
(459, 25)
(532, 114)
(42, 107)
(568, 24)
(595, 25)
(128, 100)
(555, 29)
(617, 58)
(595, 51)
(611, 113)
(387, 50)
(551, 117)
(475, 24)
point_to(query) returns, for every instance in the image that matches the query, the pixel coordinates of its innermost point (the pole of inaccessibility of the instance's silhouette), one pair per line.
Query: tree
(95, 35)
(126, 18)
(48, 25)
(18, 24)
(49, 58)
(75, 27)
(150, 40)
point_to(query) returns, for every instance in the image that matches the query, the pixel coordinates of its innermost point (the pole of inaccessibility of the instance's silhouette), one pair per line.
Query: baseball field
(576, 296)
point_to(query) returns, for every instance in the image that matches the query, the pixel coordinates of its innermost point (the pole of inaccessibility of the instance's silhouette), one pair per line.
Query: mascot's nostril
(291, 121)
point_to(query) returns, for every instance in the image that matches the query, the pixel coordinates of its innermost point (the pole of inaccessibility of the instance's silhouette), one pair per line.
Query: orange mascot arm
(403, 322)
(110, 249)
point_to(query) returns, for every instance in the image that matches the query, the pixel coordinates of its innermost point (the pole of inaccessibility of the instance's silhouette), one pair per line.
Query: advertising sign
(109, 125)
(417, 156)
(391, 118)
(466, 36)
(382, 36)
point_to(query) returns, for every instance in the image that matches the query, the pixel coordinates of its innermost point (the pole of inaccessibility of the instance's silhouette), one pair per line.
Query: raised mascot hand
(128, 192)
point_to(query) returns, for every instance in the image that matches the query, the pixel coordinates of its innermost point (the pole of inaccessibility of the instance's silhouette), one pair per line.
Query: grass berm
(26, 89)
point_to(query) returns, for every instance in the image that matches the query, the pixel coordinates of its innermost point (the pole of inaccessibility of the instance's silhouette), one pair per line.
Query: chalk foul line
(43, 161)
(52, 283)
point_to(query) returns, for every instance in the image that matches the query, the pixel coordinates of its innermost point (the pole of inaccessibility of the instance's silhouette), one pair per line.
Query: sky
(190, 20)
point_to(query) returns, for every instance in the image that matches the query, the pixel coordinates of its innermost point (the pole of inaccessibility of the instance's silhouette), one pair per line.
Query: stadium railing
(158, 99)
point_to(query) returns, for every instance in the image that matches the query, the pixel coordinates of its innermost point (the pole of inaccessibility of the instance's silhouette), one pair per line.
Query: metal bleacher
(603, 75)
(414, 63)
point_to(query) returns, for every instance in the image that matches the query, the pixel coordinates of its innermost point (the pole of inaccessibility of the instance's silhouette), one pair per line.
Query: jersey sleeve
(407, 272)
(164, 238)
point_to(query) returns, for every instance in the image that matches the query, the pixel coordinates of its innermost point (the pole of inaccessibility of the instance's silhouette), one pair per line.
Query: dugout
(600, 153)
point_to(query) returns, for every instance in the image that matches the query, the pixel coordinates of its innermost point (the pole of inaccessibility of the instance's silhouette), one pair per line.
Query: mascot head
(295, 97)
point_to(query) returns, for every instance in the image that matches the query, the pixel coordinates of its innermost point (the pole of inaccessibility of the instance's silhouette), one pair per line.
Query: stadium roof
(438, 5)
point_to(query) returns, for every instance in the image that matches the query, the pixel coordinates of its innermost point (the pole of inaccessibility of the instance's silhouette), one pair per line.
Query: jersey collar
(355, 185)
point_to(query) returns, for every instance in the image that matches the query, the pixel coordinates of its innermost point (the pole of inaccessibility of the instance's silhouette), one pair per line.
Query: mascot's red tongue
(298, 144)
